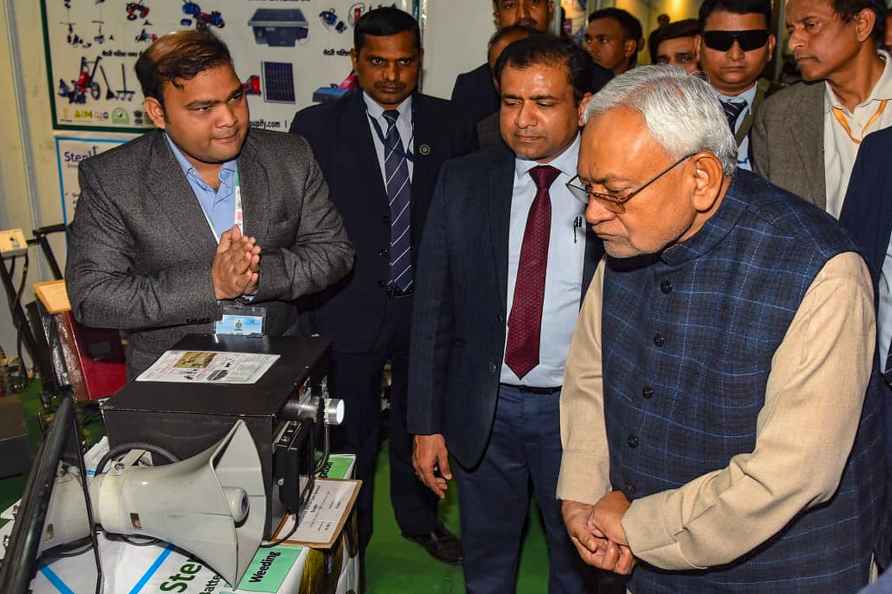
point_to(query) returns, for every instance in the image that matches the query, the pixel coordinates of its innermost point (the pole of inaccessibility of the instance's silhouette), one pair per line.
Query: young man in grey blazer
(200, 214)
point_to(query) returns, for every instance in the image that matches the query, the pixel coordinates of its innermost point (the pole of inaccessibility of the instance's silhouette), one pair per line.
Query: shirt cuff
(579, 480)
(649, 536)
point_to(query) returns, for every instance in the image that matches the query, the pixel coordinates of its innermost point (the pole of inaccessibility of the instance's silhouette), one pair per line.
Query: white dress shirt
(404, 126)
(743, 149)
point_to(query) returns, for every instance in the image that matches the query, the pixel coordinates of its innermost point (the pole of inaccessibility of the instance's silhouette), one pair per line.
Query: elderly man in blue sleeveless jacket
(718, 430)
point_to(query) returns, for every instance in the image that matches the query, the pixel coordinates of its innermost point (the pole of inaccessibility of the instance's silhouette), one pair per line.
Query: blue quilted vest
(688, 341)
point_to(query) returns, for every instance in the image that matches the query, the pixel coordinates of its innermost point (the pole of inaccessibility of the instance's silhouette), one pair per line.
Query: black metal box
(188, 418)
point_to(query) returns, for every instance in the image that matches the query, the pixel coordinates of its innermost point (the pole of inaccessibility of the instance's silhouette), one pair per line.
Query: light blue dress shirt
(743, 150)
(563, 276)
(218, 205)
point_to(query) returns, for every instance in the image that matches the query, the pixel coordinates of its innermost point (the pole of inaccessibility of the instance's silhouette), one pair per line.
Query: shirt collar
(226, 170)
(566, 162)
(377, 112)
(881, 91)
(748, 95)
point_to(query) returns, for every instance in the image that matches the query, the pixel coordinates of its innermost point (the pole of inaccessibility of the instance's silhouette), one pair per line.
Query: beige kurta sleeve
(804, 434)
(585, 465)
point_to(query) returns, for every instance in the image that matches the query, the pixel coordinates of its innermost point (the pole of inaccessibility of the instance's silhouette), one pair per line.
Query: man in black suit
(380, 150)
(491, 330)
(475, 92)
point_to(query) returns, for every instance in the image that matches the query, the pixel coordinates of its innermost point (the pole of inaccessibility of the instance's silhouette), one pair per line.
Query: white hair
(682, 112)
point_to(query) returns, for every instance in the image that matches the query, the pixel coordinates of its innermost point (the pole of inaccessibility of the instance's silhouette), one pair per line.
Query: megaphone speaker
(211, 505)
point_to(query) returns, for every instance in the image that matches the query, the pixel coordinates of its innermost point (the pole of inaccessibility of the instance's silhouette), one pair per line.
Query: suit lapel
(355, 136)
(501, 188)
(425, 150)
(254, 184)
(174, 198)
(807, 127)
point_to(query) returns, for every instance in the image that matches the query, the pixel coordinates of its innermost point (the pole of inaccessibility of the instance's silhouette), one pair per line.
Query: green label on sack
(269, 569)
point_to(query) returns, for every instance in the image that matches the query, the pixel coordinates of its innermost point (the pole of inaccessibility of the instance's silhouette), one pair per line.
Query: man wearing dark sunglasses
(735, 46)
(805, 138)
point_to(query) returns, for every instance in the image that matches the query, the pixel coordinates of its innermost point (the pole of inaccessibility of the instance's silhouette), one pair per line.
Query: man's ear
(155, 111)
(708, 179)
(865, 22)
(583, 106)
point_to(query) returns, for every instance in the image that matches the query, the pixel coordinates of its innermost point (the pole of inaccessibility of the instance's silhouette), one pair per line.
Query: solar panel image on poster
(278, 82)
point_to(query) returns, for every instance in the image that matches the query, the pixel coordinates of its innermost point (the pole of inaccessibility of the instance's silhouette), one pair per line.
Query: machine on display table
(212, 462)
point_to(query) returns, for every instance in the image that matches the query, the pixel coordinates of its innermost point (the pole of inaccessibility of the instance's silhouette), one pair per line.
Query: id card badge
(241, 320)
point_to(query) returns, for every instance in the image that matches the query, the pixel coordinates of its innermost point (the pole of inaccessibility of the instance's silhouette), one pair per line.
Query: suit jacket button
(381, 284)
(492, 367)
(630, 490)
(383, 252)
(647, 392)
(633, 441)
(659, 339)
(190, 320)
(666, 287)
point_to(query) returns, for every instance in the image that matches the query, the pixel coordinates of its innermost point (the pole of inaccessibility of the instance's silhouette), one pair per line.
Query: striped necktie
(732, 112)
(399, 193)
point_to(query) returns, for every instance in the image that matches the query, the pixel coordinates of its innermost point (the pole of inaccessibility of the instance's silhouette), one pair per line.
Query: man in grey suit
(805, 138)
(200, 217)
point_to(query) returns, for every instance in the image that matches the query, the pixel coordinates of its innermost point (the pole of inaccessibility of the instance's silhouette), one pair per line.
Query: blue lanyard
(410, 155)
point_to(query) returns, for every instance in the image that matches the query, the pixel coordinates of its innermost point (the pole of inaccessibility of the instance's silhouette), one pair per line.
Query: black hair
(383, 22)
(628, 23)
(178, 56)
(509, 32)
(674, 30)
(762, 7)
(549, 49)
(847, 9)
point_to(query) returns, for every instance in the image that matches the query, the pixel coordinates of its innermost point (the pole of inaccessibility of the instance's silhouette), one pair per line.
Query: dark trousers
(356, 377)
(494, 497)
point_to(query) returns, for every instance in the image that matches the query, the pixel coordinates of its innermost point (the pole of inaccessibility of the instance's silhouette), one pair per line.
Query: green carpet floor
(394, 565)
(398, 566)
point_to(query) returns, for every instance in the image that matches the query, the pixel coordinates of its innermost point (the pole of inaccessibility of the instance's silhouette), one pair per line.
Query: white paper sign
(208, 367)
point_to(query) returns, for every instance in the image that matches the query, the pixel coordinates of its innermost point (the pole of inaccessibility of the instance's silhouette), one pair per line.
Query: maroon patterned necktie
(525, 321)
